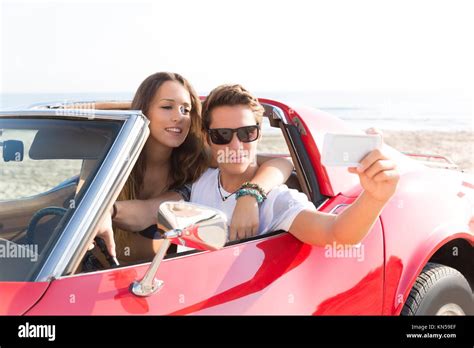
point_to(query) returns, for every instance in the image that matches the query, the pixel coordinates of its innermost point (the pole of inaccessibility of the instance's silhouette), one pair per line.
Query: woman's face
(170, 114)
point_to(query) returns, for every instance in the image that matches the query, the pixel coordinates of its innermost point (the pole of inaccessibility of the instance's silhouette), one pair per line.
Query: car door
(17, 297)
(273, 275)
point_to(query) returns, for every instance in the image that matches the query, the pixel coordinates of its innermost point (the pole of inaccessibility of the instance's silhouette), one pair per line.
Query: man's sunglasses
(222, 136)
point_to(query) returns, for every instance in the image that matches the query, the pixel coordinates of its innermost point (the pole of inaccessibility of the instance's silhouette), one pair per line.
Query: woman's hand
(245, 219)
(106, 232)
(377, 174)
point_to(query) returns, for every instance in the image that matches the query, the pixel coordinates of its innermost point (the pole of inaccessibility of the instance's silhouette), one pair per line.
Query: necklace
(224, 198)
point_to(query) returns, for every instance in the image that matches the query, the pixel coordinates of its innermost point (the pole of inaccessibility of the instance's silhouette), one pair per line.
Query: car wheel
(440, 290)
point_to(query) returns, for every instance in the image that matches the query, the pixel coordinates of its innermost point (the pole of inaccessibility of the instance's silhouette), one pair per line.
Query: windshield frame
(103, 188)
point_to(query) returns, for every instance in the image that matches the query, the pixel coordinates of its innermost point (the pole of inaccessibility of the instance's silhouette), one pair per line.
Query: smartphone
(347, 150)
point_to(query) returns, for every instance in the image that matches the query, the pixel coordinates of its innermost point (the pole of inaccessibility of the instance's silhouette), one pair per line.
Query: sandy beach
(457, 146)
(32, 177)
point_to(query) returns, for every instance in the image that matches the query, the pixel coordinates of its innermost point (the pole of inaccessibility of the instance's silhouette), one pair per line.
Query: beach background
(352, 59)
(435, 124)
(438, 123)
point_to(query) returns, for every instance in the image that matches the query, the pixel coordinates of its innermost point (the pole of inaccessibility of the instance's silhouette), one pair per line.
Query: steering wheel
(30, 232)
(59, 211)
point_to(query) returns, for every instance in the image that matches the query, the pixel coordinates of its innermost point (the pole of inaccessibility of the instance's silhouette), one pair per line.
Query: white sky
(291, 45)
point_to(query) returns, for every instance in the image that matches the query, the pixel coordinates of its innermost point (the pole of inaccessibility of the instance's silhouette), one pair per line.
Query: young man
(232, 119)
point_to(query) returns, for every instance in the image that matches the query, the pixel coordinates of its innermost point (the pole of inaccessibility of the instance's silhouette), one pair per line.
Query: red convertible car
(63, 165)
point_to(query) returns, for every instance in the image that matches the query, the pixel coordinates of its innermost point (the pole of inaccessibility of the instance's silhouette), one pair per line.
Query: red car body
(277, 274)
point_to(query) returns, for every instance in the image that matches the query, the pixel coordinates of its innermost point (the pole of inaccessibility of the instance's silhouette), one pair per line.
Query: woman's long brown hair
(187, 162)
(190, 159)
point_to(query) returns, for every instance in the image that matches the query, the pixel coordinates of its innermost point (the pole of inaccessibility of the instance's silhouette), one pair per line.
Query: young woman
(175, 154)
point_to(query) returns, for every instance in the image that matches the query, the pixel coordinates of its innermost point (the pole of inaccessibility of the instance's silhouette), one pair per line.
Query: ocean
(391, 111)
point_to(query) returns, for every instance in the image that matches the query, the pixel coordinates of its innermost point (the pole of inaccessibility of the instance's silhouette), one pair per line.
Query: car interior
(43, 184)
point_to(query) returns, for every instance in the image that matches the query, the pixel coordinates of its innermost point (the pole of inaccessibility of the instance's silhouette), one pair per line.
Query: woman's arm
(133, 216)
(272, 172)
(245, 219)
(136, 215)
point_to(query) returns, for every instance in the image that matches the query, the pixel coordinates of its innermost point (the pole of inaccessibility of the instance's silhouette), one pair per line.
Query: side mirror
(188, 224)
(13, 150)
(193, 225)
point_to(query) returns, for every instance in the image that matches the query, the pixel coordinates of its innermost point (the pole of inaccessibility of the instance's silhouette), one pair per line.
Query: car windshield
(46, 166)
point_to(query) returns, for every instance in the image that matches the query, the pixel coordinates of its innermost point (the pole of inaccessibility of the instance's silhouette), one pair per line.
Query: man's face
(236, 156)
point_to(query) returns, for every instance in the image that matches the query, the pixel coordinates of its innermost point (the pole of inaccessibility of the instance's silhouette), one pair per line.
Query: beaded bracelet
(250, 192)
(249, 185)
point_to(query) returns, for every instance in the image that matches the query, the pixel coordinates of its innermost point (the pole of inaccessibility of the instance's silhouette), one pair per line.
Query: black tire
(439, 287)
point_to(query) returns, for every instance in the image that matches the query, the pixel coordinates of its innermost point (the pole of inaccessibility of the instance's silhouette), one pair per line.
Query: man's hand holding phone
(377, 172)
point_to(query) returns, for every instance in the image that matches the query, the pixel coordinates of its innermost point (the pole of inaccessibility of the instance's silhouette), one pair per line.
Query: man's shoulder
(203, 187)
(281, 208)
(283, 193)
(207, 177)
(209, 173)
(283, 190)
